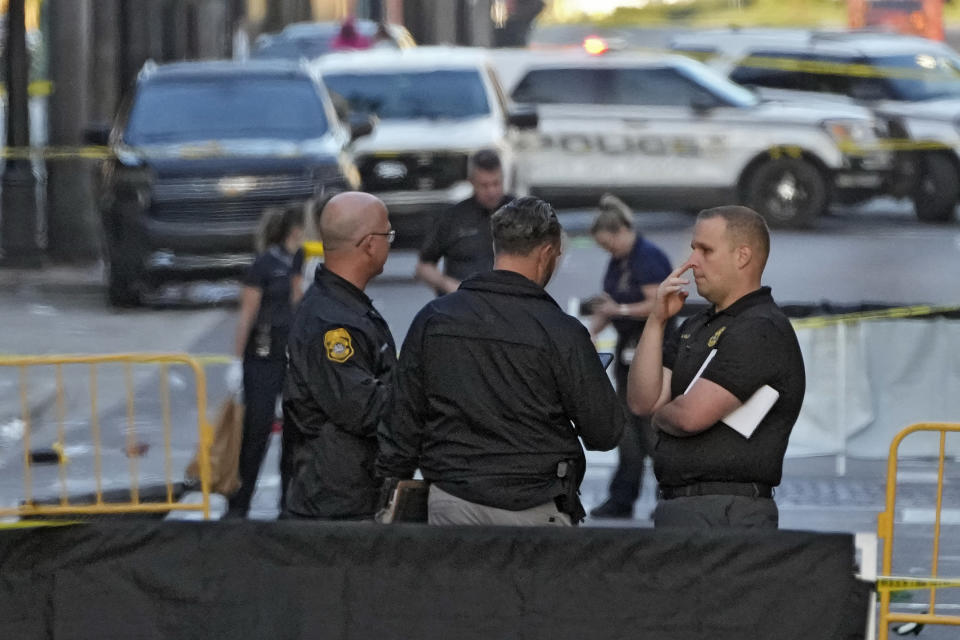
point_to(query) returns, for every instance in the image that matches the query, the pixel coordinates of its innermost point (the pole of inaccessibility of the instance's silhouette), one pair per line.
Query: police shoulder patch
(712, 342)
(338, 344)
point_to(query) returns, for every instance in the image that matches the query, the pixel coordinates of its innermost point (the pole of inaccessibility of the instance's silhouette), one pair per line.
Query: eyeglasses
(390, 235)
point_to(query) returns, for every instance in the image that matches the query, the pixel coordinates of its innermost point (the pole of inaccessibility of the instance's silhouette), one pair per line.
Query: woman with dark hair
(636, 269)
(271, 290)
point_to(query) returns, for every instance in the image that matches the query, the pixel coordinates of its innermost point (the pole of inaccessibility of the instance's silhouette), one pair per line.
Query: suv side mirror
(361, 126)
(97, 134)
(702, 103)
(524, 118)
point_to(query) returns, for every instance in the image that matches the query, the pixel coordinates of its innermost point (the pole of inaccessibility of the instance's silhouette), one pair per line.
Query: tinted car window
(453, 94)
(719, 86)
(656, 87)
(562, 86)
(664, 86)
(808, 72)
(180, 110)
(771, 69)
(922, 76)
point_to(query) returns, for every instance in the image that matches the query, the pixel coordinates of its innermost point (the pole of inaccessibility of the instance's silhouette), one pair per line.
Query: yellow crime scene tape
(89, 152)
(891, 583)
(818, 322)
(45, 88)
(96, 152)
(36, 89)
(37, 524)
(846, 69)
(753, 62)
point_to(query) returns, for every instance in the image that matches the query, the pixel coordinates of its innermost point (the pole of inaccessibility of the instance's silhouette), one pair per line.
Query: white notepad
(747, 417)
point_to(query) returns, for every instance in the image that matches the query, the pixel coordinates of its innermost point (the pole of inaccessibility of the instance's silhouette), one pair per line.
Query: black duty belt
(749, 489)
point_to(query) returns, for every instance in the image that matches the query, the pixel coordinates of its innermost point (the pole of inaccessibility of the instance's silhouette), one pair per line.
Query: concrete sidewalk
(51, 279)
(32, 326)
(63, 310)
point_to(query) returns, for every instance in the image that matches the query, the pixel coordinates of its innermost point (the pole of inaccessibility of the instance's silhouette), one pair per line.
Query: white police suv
(913, 83)
(435, 106)
(666, 132)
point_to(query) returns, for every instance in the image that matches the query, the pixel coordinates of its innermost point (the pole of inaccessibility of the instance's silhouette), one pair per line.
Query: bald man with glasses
(338, 388)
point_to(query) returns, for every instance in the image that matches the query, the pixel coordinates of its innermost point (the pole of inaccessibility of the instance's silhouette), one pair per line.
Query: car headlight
(851, 133)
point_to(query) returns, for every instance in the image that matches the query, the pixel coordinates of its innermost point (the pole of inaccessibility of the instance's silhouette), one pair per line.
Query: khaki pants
(445, 509)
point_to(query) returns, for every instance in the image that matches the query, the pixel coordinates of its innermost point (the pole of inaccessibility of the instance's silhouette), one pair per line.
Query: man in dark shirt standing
(495, 385)
(338, 389)
(461, 234)
(711, 475)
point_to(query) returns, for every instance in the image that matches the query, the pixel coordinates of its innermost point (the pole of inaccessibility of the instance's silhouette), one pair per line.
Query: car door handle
(635, 122)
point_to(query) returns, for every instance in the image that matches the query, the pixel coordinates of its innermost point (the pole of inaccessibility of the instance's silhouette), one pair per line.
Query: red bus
(914, 17)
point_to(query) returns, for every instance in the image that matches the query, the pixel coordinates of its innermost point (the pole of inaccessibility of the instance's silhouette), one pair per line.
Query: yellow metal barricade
(133, 448)
(886, 584)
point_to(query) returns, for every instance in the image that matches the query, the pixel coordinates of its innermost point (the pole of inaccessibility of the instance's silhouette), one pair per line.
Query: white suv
(912, 83)
(435, 106)
(666, 132)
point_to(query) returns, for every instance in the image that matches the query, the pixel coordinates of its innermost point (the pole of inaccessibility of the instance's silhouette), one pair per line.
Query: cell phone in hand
(605, 358)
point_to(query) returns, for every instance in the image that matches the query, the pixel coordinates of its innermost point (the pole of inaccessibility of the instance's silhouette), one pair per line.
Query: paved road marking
(928, 516)
(924, 477)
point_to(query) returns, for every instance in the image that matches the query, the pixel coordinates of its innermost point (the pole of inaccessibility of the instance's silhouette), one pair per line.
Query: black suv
(199, 152)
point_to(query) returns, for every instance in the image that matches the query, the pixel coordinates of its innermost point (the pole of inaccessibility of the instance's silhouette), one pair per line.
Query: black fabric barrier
(311, 580)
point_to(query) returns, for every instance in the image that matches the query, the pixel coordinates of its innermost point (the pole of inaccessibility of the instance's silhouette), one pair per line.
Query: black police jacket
(336, 394)
(494, 386)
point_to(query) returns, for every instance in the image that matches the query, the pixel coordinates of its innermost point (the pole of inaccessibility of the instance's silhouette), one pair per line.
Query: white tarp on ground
(867, 380)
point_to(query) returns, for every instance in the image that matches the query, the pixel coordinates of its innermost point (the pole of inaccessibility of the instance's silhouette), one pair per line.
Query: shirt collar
(752, 299)
(325, 277)
(504, 281)
(489, 212)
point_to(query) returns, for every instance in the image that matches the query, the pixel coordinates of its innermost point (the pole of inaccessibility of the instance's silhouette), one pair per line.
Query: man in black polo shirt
(710, 475)
(461, 234)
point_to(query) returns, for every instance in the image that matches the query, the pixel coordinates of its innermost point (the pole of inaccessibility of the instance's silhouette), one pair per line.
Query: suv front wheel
(788, 192)
(937, 189)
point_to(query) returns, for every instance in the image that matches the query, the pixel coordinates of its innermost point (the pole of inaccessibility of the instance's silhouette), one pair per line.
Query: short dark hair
(485, 160)
(522, 225)
(744, 226)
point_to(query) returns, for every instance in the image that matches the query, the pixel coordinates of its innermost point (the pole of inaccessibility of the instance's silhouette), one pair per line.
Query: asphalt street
(878, 254)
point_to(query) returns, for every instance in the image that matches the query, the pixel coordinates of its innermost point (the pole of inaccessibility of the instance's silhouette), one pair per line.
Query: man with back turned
(495, 387)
